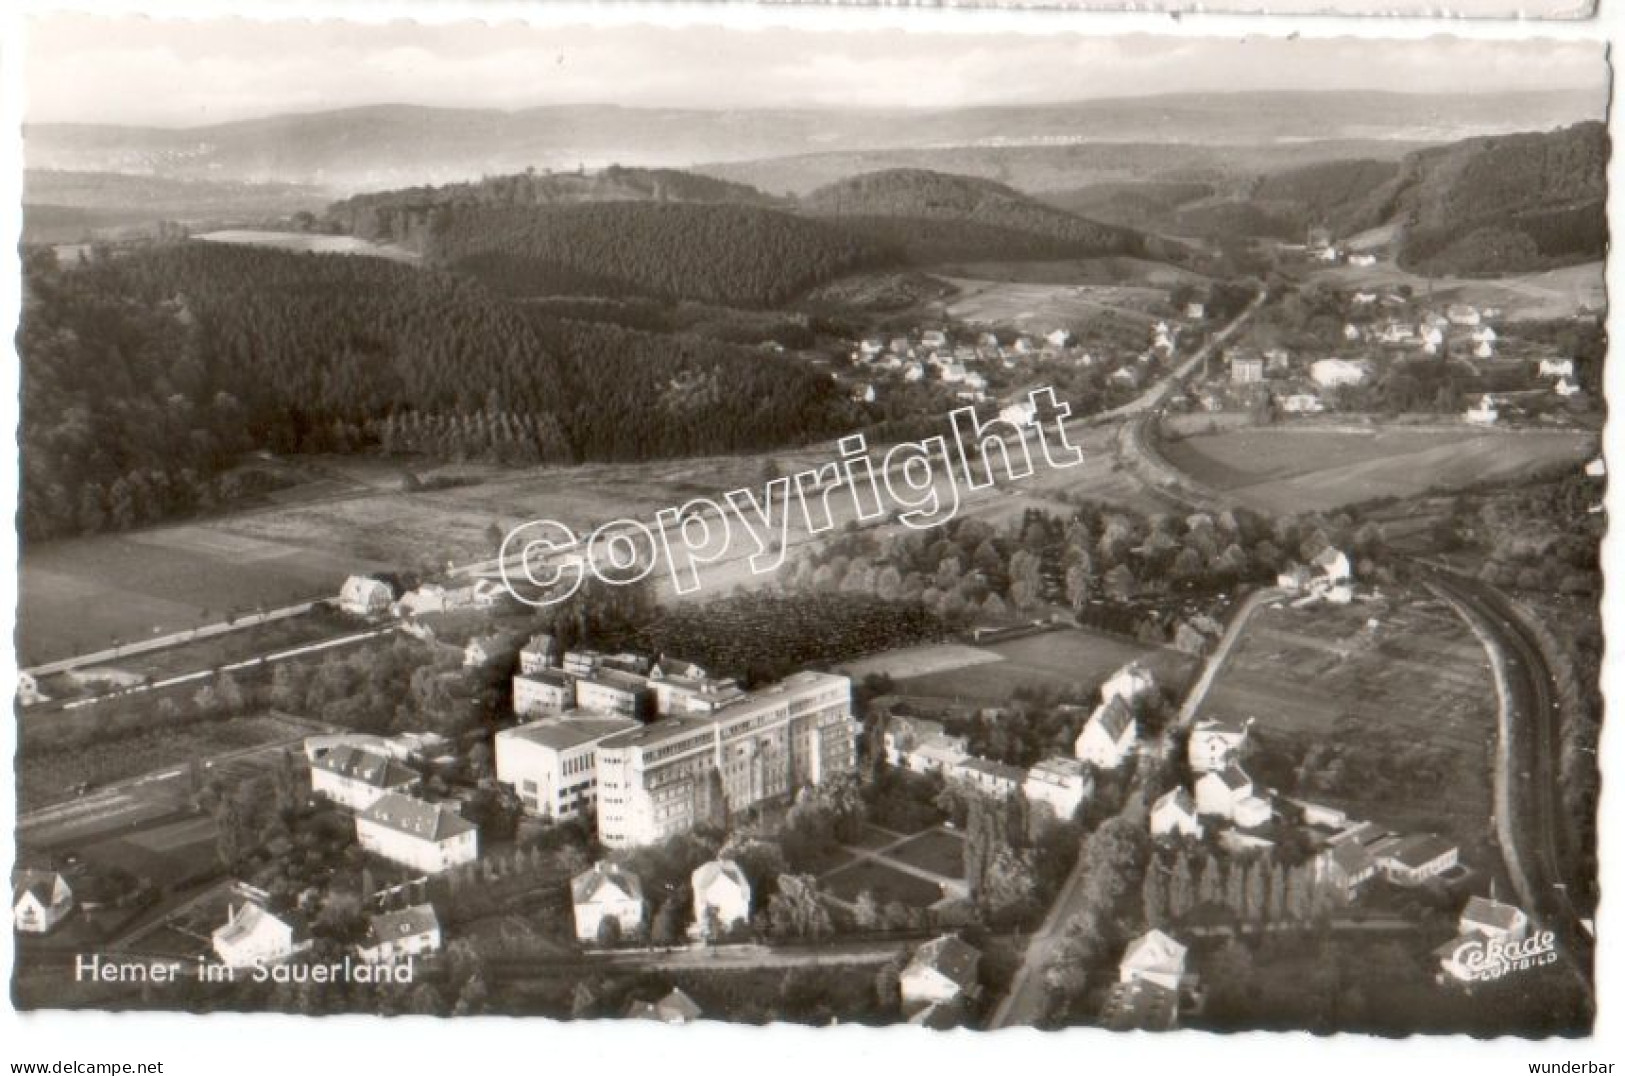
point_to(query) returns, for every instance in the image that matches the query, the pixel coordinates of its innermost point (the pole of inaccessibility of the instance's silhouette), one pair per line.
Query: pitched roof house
(362, 595)
(430, 837)
(721, 895)
(1493, 919)
(1128, 683)
(356, 778)
(252, 935)
(1215, 743)
(40, 899)
(675, 1008)
(1414, 859)
(397, 935)
(1109, 735)
(1063, 783)
(1174, 815)
(942, 970)
(607, 891)
(1153, 957)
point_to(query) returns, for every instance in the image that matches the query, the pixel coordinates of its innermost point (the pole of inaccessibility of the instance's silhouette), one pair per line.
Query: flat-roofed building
(656, 780)
(550, 763)
(611, 691)
(544, 691)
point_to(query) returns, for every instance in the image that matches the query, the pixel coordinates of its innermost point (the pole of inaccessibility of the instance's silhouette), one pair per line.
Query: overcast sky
(187, 73)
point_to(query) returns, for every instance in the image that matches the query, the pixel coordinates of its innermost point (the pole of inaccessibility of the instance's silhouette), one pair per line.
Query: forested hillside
(732, 255)
(404, 215)
(932, 216)
(145, 376)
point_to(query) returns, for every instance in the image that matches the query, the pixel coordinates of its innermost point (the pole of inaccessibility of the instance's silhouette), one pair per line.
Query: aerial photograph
(777, 525)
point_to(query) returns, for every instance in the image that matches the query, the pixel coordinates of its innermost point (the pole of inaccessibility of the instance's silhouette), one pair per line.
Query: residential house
(551, 763)
(1345, 867)
(721, 896)
(1301, 403)
(1556, 367)
(1128, 683)
(1565, 388)
(539, 652)
(1109, 736)
(1063, 783)
(363, 595)
(427, 837)
(317, 746)
(1174, 815)
(1334, 565)
(40, 899)
(914, 743)
(1462, 314)
(1228, 793)
(1295, 579)
(606, 892)
(1156, 958)
(1022, 413)
(1059, 337)
(252, 935)
(1351, 331)
(675, 1008)
(1417, 858)
(1215, 743)
(28, 692)
(994, 779)
(1246, 369)
(401, 935)
(943, 970)
(1331, 373)
(356, 778)
(1195, 311)
(1483, 413)
(543, 691)
(1491, 918)
(1363, 261)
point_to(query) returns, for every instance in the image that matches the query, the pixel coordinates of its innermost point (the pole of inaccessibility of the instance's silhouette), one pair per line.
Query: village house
(1332, 373)
(1228, 794)
(1063, 783)
(28, 692)
(252, 935)
(1301, 403)
(363, 595)
(721, 897)
(1344, 867)
(1493, 919)
(40, 899)
(1140, 1005)
(1128, 684)
(1351, 332)
(427, 837)
(1195, 311)
(675, 1008)
(400, 935)
(356, 778)
(1109, 736)
(606, 892)
(1216, 743)
(1556, 367)
(543, 691)
(1483, 413)
(1334, 565)
(1415, 859)
(913, 743)
(1295, 579)
(1565, 388)
(1022, 413)
(1174, 815)
(1246, 369)
(1156, 958)
(551, 763)
(994, 779)
(943, 970)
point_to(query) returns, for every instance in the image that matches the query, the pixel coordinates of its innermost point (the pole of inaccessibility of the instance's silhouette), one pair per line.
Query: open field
(1556, 293)
(912, 661)
(1408, 705)
(1310, 468)
(1036, 307)
(45, 777)
(303, 243)
(887, 884)
(936, 851)
(1076, 659)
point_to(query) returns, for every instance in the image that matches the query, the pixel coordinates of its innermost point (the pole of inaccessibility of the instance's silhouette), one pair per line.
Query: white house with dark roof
(1174, 815)
(1063, 783)
(607, 891)
(1228, 794)
(1109, 736)
(1414, 859)
(401, 935)
(1153, 957)
(1128, 684)
(1493, 919)
(996, 779)
(1216, 743)
(551, 763)
(721, 896)
(921, 745)
(356, 778)
(942, 970)
(362, 595)
(428, 837)
(1334, 565)
(252, 935)
(675, 1008)
(40, 899)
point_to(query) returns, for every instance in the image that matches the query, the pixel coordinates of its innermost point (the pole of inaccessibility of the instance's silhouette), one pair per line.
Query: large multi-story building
(663, 778)
(550, 764)
(544, 691)
(428, 837)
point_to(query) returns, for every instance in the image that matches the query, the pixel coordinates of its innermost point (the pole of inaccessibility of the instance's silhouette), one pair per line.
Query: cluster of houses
(253, 934)
(623, 734)
(1327, 577)
(382, 595)
(610, 893)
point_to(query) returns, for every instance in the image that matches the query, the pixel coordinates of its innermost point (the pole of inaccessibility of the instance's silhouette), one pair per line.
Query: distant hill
(1506, 204)
(399, 214)
(932, 217)
(730, 255)
(392, 145)
(65, 207)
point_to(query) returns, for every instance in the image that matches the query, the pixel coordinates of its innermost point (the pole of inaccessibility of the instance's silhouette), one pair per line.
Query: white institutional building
(550, 763)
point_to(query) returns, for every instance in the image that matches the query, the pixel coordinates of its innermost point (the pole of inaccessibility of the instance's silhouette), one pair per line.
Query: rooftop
(418, 818)
(574, 729)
